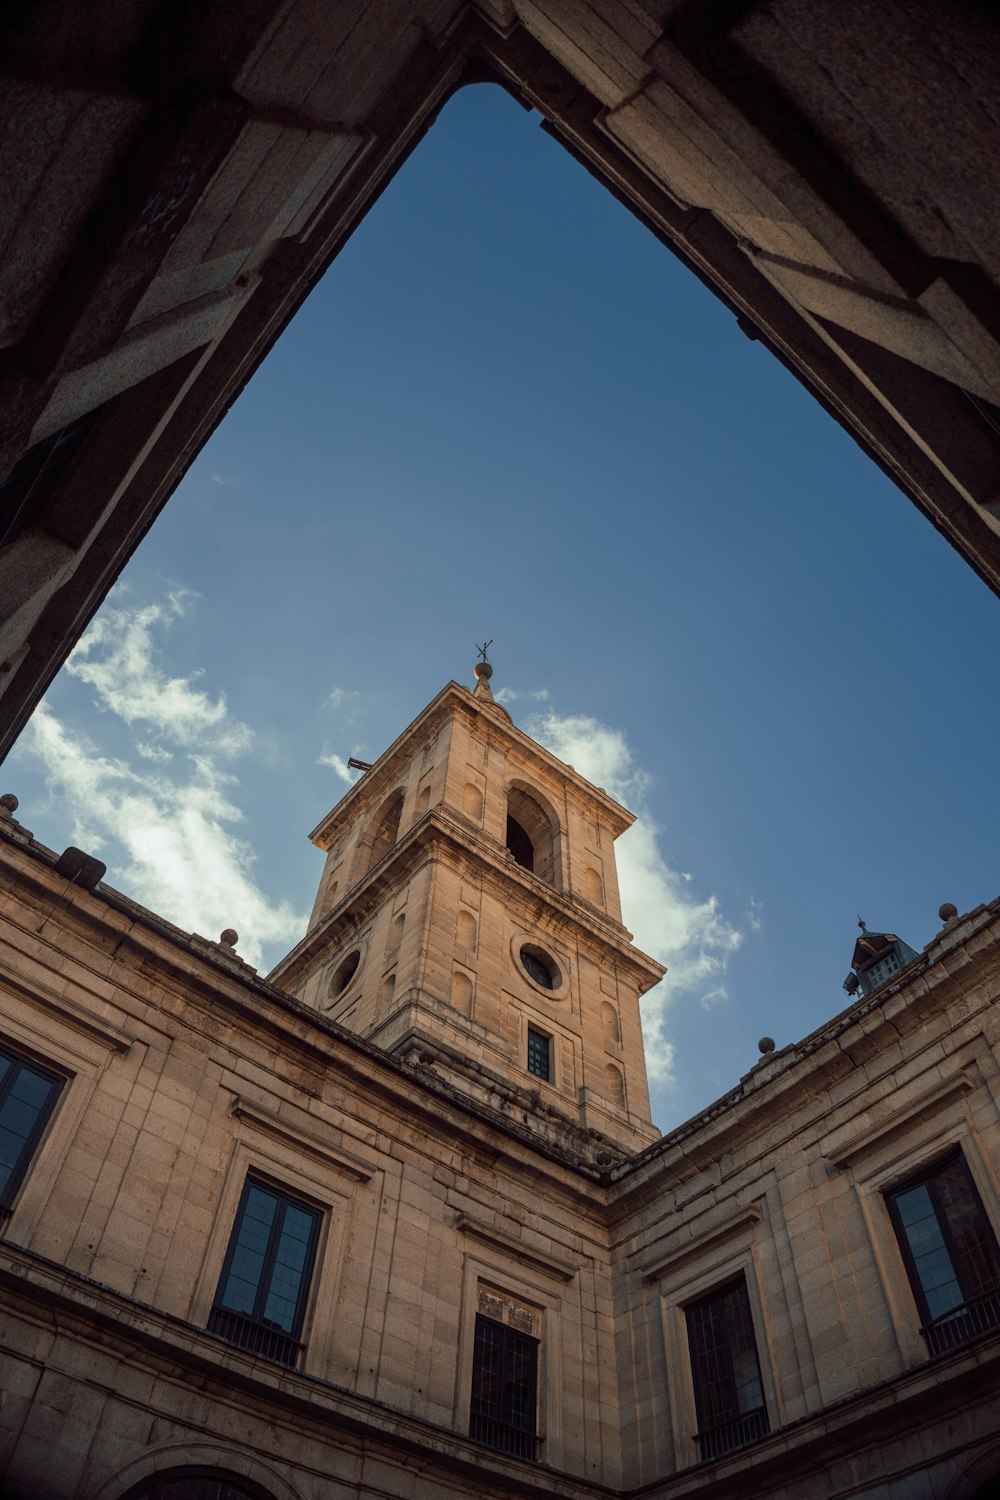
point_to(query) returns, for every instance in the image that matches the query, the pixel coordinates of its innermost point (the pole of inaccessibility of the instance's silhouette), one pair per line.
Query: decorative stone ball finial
(229, 937)
(946, 911)
(8, 804)
(765, 1045)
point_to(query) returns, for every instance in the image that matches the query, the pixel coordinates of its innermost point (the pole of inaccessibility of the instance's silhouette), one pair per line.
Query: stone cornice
(74, 1015)
(299, 1136)
(660, 1261)
(379, 781)
(515, 1249)
(844, 1147)
(487, 861)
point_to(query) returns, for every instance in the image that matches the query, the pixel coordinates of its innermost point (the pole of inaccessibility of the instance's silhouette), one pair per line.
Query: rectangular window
(27, 1098)
(729, 1396)
(504, 1388)
(262, 1292)
(950, 1253)
(539, 1054)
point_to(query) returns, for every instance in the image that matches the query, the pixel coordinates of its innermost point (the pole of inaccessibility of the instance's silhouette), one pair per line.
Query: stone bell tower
(468, 919)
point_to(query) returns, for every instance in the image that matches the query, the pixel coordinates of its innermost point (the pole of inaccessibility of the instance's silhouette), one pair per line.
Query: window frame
(756, 1422)
(934, 1122)
(57, 1082)
(490, 1268)
(533, 1034)
(687, 1271)
(277, 1157)
(522, 1439)
(283, 1346)
(956, 1327)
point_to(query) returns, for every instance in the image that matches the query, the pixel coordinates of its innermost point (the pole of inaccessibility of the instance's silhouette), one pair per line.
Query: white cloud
(691, 936)
(153, 752)
(512, 695)
(338, 697)
(227, 481)
(337, 763)
(165, 825)
(345, 702)
(118, 658)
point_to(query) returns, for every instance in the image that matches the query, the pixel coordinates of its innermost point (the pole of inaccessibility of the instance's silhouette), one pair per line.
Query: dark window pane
(504, 1388)
(266, 1277)
(538, 970)
(27, 1097)
(262, 1291)
(538, 1054)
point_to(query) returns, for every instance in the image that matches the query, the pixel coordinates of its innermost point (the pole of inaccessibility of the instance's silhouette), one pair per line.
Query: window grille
(729, 1395)
(539, 1054)
(504, 1389)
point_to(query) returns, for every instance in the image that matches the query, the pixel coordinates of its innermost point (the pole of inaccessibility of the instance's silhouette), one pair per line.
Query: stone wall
(185, 1073)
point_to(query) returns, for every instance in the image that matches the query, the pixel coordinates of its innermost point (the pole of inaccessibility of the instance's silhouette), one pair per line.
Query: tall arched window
(531, 834)
(386, 830)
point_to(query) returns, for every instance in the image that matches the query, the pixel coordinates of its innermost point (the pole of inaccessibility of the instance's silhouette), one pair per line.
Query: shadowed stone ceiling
(177, 176)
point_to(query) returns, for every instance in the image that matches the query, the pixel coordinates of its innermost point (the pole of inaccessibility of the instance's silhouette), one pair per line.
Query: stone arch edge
(181, 1454)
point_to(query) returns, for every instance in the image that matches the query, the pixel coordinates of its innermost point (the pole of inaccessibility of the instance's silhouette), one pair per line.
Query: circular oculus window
(540, 967)
(345, 972)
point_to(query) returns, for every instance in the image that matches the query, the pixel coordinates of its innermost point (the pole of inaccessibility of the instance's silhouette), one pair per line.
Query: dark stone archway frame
(200, 199)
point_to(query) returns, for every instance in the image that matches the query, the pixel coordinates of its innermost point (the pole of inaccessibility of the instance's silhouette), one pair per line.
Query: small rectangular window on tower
(728, 1393)
(950, 1253)
(260, 1303)
(28, 1094)
(539, 1054)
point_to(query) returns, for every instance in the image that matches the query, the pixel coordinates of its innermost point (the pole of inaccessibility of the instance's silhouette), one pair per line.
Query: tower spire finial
(483, 670)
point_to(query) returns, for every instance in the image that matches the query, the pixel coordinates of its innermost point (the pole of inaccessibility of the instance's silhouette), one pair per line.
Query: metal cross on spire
(484, 648)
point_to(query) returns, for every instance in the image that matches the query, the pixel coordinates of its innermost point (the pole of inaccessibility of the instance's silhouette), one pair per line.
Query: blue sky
(508, 412)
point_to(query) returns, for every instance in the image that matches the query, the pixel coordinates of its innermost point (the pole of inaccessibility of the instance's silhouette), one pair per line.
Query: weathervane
(484, 648)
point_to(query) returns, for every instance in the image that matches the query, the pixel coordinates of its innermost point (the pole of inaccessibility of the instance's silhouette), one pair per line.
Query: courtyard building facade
(394, 1220)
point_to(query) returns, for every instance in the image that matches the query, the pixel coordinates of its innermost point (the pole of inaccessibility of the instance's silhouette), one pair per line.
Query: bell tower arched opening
(385, 830)
(532, 834)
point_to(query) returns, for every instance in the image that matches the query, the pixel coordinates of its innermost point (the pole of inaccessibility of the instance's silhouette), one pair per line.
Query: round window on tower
(344, 973)
(540, 966)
